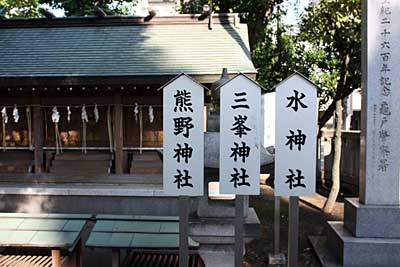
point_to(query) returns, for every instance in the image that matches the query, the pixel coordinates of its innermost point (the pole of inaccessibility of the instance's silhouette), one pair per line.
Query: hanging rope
(55, 117)
(84, 117)
(138, 113)
(46, 133)
(109, 128)
(140, 130)
(4, 121)
(29, 121)
(114, 130)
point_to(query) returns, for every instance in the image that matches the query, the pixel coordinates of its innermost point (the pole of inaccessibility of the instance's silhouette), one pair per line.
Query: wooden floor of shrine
(90, 179)
(95, 167)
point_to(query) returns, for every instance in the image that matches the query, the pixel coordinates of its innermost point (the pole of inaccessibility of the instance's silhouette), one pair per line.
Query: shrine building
(81, 114)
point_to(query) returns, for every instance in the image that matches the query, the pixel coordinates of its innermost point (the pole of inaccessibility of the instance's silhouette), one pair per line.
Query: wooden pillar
(115, 258)
(38, 137)
(79, 254)
(118, 135)
(55, 258)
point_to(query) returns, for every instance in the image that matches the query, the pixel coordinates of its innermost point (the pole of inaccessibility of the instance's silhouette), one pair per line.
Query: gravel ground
(312, 222)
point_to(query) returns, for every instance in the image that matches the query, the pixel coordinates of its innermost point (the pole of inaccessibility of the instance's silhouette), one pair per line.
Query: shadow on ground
(312, 222)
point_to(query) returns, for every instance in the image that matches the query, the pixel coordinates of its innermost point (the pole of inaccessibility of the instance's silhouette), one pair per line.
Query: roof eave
(105, 80)
(231, 18)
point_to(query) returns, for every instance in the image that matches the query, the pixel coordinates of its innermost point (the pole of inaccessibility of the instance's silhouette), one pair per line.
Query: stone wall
(350, 160)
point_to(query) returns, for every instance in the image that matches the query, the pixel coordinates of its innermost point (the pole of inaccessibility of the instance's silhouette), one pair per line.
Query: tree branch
(343, 89)
(262, 17)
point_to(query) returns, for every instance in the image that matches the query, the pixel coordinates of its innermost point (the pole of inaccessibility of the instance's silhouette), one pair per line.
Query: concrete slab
(139, 190)
(320, 246)
(124, 205)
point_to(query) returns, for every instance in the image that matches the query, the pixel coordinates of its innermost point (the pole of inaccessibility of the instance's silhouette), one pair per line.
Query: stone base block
(217, 255)
(380, 221)
(208, 208)
(222, 231)
(355, 251)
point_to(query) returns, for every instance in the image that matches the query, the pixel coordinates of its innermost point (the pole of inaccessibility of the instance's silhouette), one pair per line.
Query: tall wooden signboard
(183, 149)
(295, 148)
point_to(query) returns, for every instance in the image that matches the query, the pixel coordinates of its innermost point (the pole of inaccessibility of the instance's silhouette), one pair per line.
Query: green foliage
(29, 8)
(276, 57)
(20, 8)
(329, 32)
(85, 7)
(273, 59)
(192, 6)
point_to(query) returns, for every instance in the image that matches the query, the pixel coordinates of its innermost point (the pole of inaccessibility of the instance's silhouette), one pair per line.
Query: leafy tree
(256, 13)
(273, 48)
(85, 7)
(331, 33)
(20, 8)
(277, 55)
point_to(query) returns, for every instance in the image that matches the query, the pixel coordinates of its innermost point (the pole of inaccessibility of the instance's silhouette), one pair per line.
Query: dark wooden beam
(118, 135)
(38, 135)
(115, 20)
(152, 80)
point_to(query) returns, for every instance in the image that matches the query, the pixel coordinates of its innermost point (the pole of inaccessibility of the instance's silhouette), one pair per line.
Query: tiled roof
(137, 49)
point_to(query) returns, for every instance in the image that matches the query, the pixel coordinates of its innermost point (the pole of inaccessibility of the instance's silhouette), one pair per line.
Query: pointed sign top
(177, 77)
(241, 75)
(295, 74)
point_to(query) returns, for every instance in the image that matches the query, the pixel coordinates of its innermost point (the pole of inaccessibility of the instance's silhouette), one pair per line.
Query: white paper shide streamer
(85, 119)
(15, 114)
(4, 121)
(136, 111)
(55, 117)
(4, 115)
(84, 115)
(96, 113)
(151, 114)
(29, 122)
(68, 114)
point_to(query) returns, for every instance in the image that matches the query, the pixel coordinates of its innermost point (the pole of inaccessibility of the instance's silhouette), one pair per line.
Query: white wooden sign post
(183, 146)
(295, 148)
(240, 147)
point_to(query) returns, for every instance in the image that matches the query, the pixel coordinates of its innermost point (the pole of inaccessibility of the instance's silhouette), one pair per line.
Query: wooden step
(16, 155)
(17, 163)
(146, 166)
(81, 156)
(15, 168)
(78, 167)
(81, 163)
(146, 155)
(79, 172)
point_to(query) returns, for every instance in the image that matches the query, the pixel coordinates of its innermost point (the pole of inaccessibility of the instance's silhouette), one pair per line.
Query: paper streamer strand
(84, 117)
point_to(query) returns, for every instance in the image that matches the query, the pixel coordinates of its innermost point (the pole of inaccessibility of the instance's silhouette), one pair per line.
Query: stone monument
(370, 233)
